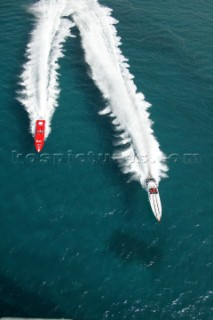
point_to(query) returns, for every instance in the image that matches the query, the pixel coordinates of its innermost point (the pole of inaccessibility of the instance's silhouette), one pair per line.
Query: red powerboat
(39, 135)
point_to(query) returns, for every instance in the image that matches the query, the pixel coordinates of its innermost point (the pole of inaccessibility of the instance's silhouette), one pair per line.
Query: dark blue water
(78, 241)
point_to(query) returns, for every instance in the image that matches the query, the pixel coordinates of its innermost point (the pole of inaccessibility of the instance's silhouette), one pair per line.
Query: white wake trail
(39, 79)
(142, 156)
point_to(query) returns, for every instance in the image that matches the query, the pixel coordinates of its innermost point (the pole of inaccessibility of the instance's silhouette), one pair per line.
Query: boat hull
(154, 198)
(39, 135)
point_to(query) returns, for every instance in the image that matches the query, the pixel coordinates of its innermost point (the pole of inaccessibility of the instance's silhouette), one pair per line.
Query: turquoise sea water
(78, 241)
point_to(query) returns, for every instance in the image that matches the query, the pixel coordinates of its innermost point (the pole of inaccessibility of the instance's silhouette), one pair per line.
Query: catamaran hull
(154, 198)
(156, 206)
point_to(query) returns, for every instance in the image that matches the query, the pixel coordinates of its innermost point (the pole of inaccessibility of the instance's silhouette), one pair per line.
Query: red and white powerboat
(39, 135)
(154, 198)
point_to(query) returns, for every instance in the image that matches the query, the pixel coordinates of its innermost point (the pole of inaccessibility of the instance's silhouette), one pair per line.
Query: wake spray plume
(141, 155)
(39, 79)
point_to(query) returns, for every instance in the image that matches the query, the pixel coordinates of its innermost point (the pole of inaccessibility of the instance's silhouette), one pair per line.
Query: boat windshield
(153, 191)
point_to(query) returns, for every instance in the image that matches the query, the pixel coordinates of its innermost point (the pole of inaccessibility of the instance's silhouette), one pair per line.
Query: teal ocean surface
(77, 240)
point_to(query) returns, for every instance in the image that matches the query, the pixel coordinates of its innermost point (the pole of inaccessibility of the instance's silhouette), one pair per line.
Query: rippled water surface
(77, 240)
